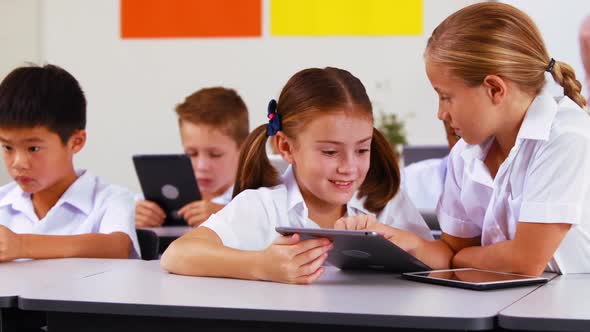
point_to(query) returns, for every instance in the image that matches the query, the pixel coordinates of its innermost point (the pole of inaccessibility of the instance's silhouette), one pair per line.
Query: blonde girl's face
(331, 158)
(214, 156)
(467, 110)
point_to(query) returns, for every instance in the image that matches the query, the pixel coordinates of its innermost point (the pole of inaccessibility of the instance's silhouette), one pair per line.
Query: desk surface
(344, 298)
(560, 305)
(170, 231)
(20, 276)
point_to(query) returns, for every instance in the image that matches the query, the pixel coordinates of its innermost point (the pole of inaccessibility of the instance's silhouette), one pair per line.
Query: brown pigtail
(383, 179)
(254, 168)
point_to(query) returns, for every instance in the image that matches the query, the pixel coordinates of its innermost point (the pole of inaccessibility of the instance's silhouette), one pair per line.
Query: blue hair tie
(274, 119)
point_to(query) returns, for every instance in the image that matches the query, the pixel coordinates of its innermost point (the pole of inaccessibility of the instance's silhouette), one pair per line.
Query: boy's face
(36, 158)
(214, 156)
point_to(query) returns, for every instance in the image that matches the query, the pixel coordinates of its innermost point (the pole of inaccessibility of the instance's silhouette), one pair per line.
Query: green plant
(392, 128)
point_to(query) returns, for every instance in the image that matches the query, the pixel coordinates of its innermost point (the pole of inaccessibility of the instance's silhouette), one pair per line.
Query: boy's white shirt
(423, 182)
(544, 179)
(224, 198)
(249, 221)
(87, 206)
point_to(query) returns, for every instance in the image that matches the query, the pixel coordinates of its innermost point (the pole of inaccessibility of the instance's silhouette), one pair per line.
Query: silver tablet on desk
(361, 250)
(474, 278)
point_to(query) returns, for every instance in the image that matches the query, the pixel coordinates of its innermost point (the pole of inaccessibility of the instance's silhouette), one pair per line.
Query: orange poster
(190, 18)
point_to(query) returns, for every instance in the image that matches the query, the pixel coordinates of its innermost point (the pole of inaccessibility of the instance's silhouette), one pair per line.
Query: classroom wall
(559, 23)
(19, 40)
(133, 85)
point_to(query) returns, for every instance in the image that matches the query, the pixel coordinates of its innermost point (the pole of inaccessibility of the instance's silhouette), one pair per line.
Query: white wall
(133, 85)
(19, 40)
(559, 22)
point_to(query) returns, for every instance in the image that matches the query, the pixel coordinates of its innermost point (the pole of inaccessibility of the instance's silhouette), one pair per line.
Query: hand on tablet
(364, 223)
(148, 214)
(405, 240)
(290, 260)
(195, 213)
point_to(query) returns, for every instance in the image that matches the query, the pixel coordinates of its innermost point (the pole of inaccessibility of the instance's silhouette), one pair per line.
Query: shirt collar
(224, 198)
(295, 199)
(14, 196)
(358, 203)
(536, 125)
(476, 151)
(539, 117)
(80, 195)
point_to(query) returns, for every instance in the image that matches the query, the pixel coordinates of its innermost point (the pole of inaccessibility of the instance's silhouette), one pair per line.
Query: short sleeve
(557, 181)
(119, 216)
(244, 223)
(450, 211)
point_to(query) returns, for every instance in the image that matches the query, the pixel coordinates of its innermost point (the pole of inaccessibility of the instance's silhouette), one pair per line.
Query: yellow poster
(346, 17)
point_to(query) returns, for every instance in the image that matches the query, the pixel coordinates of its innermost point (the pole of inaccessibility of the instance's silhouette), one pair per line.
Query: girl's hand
(364, 223)
(11, 246)
(405, 240)
(290, 260)
(148, 214)
(195, 213)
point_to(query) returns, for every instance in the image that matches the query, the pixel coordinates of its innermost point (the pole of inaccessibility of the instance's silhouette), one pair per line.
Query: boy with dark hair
(52, 210)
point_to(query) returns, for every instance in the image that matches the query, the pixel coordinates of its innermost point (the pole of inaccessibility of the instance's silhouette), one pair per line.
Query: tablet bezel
(182, 175)
(422, 277)
(397, 261)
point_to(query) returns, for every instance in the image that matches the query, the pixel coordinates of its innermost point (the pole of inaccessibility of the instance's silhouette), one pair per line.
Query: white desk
(28, 275)
(561, 305)
(142, 296)
(20, 276)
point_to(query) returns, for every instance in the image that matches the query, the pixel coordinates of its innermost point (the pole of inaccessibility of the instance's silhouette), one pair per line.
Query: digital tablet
(169, 181)
(474, 278)
(361, 250)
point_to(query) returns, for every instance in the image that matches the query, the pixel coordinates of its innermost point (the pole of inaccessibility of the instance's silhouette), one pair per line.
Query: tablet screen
(474, 276)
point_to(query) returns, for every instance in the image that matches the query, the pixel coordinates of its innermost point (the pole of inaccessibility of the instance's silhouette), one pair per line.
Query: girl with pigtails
(342, 171)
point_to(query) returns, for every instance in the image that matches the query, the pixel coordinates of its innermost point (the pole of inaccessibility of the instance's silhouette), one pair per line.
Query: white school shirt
(544, 179)
(87, 206)
(249, 221)
(423, 182)
(224, 198)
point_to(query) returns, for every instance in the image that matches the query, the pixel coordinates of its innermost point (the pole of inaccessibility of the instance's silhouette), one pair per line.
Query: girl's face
(331, 158)
(214, 156)
(468, 110)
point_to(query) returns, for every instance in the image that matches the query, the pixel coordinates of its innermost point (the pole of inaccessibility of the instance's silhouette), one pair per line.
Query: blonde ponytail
(565, 76)
(497, 38)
